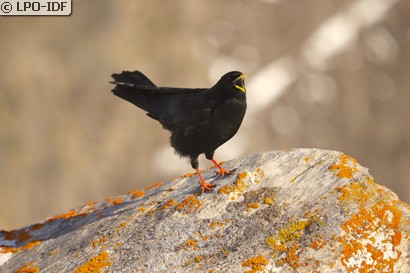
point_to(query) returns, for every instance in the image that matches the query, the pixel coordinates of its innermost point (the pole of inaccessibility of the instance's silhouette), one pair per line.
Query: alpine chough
(199, 119)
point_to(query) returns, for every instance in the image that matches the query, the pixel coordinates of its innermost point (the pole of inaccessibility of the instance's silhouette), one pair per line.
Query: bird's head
(236, 79)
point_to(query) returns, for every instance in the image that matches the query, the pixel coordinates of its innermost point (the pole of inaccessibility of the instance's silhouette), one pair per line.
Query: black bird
(199, 119)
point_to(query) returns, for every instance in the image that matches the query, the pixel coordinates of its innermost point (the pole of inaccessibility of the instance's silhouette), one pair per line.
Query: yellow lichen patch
(190, 204)
(257, 263)
(269, 201)
(371, 237)
(272, 242)
(95, 264)
(31, 245)
(28, 268)
(293, 230)
(136, 193)
(142, 209)
(169, 203)
(253, 205)
(346, 167)
(306, 159)
(159, 184)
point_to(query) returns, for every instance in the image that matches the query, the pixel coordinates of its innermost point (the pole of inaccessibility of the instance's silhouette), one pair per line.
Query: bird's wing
(187, 110)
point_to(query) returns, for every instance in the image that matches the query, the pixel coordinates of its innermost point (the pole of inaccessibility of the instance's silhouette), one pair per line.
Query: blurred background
(328, 74)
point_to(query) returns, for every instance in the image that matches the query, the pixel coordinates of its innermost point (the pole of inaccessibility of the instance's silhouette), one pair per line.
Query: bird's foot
(207, 187)
(222, 172)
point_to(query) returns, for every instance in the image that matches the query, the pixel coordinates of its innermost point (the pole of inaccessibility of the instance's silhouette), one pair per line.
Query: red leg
(222, 171)
(205, 186)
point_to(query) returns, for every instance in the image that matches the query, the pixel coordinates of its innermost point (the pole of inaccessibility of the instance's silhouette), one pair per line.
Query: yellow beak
(240, 80)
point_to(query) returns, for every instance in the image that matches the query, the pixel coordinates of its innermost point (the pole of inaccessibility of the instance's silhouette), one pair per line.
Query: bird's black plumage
(199, 119)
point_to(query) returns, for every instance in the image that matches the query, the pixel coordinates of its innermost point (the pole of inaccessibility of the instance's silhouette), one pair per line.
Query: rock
(303, 210)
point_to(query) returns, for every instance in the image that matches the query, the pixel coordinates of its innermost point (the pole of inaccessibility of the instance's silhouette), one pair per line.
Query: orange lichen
(318, 243)
(66, 215)
(214, 224)
(257, 263)
(190, 204)
(169, 203)
(253, 205)
(95, 264)
(191, 242)
(122, 225)
(198, 259)
(118, 201)
(114, 201)
(154, 186)
(100, 241)
(361, 250)
(28, 268)
(240, 184)
(344, 171)
(346, 167)
(345, 158)
(92, 203)
(187, 175)
(136, 193)
(31, 245)
(55, 251)
(9, 249)
(292, 258)
(142, 209)
(225, 189)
